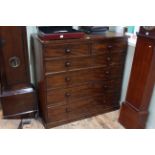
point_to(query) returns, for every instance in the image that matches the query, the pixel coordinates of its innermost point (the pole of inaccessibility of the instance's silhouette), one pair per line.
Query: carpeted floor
(104, 121)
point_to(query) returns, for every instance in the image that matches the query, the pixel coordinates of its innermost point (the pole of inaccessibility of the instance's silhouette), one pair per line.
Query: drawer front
(101, 47)
(17, 104)
(59, 96)
(67, 64)
(79, 108)
(69, 79)
(56, 97)
(67, 50)
(59, 65)
(102, 102)
(92, 89)
(86, 106)
(57, 113)
(115, 58)
(83, 76)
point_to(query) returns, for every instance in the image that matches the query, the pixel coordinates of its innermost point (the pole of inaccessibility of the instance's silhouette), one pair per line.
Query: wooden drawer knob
(109, 46)
(67, 64)
(67, 79)
(104, 101)
(67, 94)
(108, 58)
(107, 72)
(105, 87)
(67, 50)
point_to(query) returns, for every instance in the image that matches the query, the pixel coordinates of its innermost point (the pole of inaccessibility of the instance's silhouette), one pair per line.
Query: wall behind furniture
(128, 64)
(30, 30)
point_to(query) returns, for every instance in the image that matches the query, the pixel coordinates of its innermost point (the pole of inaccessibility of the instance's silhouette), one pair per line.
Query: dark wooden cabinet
(78, 78)
(134, 110)
(14, 56)
(18, 98)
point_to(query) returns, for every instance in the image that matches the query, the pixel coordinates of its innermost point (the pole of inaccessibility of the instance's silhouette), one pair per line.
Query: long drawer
(82, 76)
(58, 96)
(67, 50)
(67, 64)
(82, 107)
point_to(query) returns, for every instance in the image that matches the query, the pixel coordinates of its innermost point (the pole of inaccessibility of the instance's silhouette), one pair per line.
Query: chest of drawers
(78, 78)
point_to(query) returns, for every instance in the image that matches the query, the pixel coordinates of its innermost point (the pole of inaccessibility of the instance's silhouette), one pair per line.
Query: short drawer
(103, 102)
(60, 95)
(101, 47)
(115, 58)
(79, 108)
(93, 104)
(57, 113)
(69, 79)
(83, 76)
(66, 50)
(65, 64)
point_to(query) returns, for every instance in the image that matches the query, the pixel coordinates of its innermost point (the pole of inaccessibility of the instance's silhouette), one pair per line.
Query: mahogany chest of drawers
(78, 78)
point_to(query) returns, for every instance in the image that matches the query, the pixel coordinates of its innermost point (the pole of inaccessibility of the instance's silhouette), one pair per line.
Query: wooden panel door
(134, 110)
(14, 58)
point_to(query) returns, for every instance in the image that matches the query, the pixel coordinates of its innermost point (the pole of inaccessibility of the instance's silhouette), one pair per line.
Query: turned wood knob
(67, 94)
(107, 72)
(109, 46)
(105, 87)
(67, 79)
(67, 64)
(67, 50)
(108, 58)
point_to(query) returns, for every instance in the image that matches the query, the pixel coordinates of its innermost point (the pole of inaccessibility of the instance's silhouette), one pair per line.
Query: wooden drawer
(65, 64)
(94, 104)
(18, 102)
(115, 58)
(69, 79)
(56, 96)
(57, 113)
(79, 108)
(102, 102)
(59, 96)
(59, 65)
(83, 76)
(101, 47)
(66, 50)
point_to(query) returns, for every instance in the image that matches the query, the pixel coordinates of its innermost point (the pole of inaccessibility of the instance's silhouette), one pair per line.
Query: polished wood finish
(14, 45)
(18, 96)
(134, 110)
(78, 78)
(18, 102)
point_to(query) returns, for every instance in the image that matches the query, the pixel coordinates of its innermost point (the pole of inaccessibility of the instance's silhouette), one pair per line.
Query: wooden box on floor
(19, 103)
